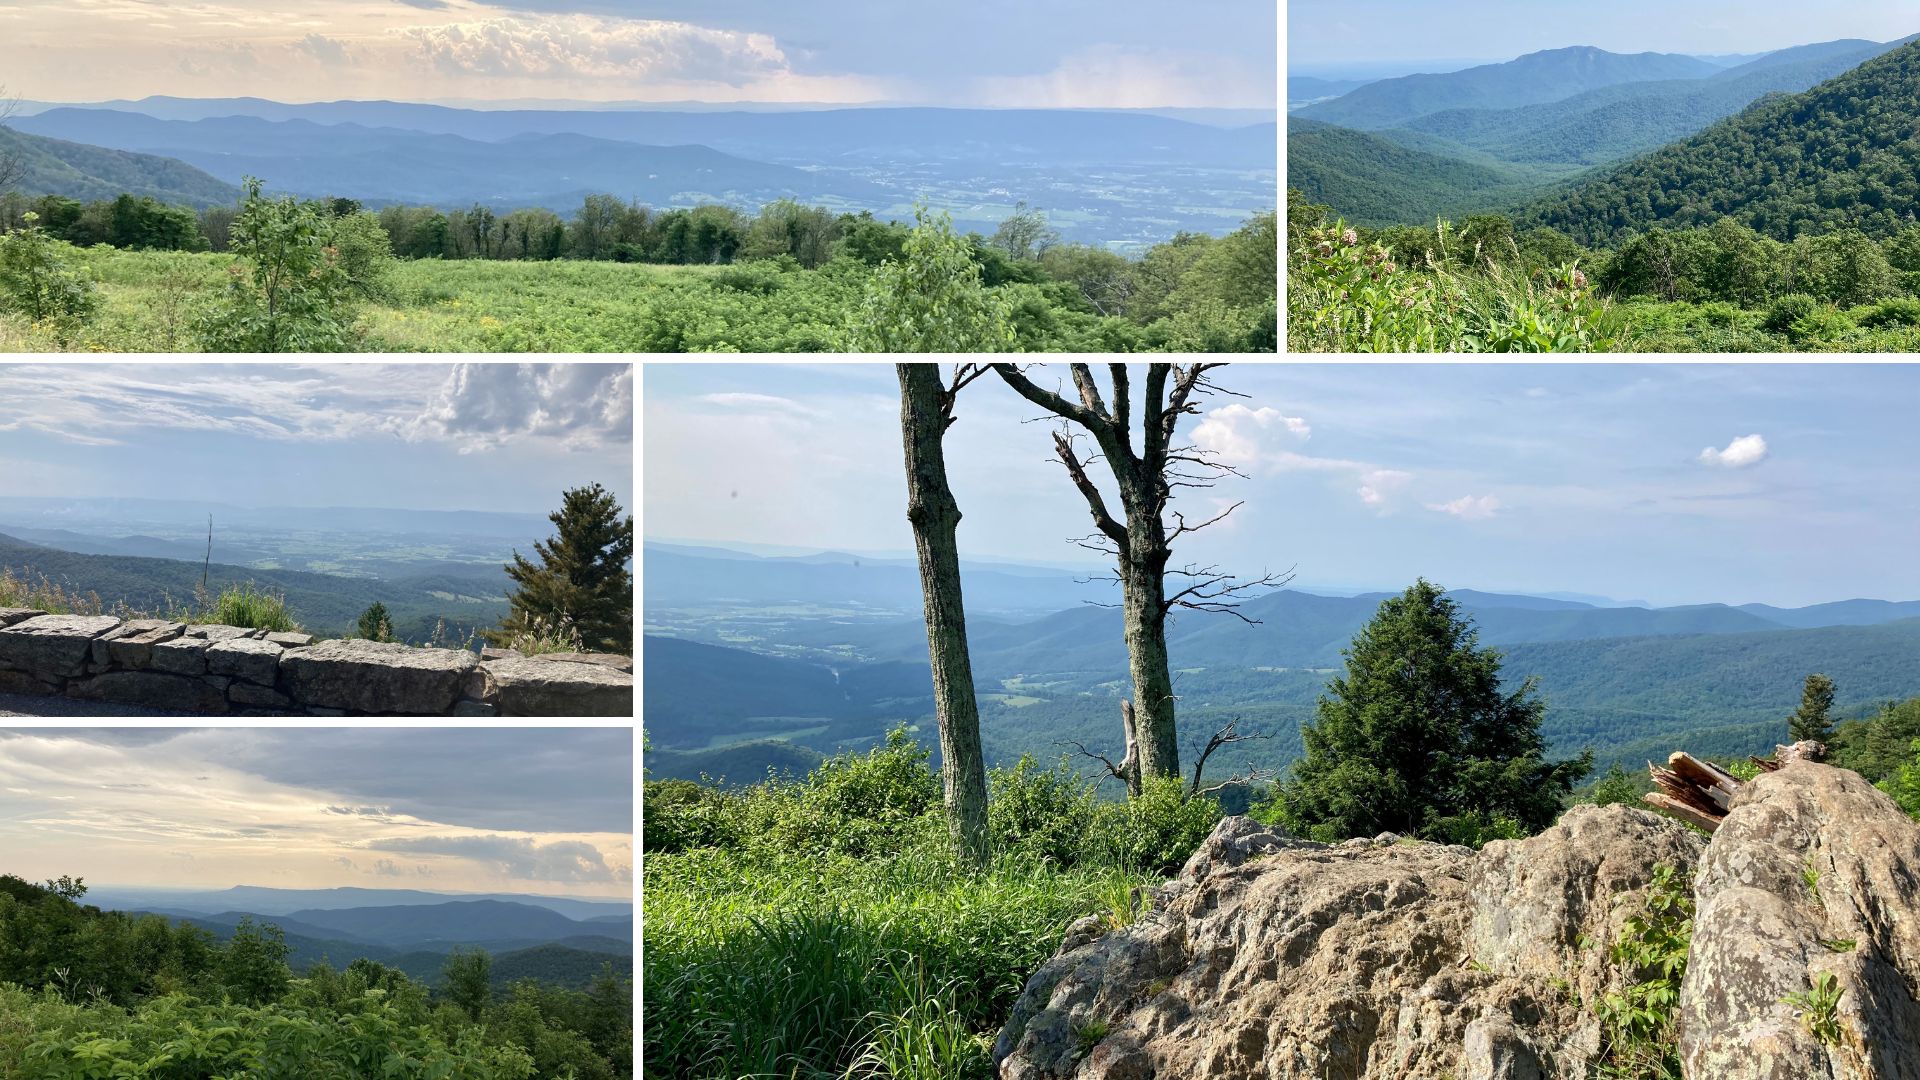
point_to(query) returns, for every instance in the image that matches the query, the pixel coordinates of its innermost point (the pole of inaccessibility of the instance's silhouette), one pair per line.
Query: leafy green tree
(583, 581)
(1419, 737)
(1025, 234)
(469, 977)
(931, 298)
(365, 254)
(289, 291)
(1904, 783)
(375, 624)
(1616, 788)
(254, 966)
(38, 279)
(1810, 720)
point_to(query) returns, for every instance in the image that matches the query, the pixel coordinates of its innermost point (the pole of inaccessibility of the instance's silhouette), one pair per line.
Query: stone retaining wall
(231, 670)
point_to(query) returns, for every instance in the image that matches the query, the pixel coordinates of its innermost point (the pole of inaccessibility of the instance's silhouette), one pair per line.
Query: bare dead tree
(926, 412)
(1140, 539)
(1227, 736)
(13, 164)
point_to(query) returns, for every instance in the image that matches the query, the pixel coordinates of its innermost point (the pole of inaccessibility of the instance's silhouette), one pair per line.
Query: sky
(1323, 34)
(482, 436)
(1669, 484)
(546, 811)
(1061, 53)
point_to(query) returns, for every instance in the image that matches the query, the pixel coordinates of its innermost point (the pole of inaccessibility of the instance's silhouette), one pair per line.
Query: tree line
(86, 992)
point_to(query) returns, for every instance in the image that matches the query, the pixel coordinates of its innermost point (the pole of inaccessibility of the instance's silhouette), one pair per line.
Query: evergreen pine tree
(375, 625)
(1810, 721)
(1419, 738)
(582, 581)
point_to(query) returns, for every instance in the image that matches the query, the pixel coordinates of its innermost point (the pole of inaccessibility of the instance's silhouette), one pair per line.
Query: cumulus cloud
(1245, 437)
(1469, 507)
(483, 404)
(516, 856)
(589, 46)
(1745, 451)
(1377, 484)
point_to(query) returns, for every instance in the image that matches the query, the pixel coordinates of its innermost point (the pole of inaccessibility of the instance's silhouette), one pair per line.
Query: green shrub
(248, 605)
(1043, 811)
(1637, 1022)
(679, 815)
(1154, 832)
(38, 280)
(1789, 309)
(873, 803)
(1896, 311)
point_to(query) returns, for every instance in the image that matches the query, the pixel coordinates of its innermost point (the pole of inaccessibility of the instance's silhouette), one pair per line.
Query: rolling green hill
(323, 603)
(1530, 80)
(84, 172)
(1616, 122)
(1400, 178)
(1845, 154)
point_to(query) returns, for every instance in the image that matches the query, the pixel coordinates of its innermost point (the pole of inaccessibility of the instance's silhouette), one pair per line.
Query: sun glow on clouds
(171, 813)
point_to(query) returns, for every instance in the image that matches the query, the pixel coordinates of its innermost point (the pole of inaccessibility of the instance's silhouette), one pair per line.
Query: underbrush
(235, 605)
(827, 926)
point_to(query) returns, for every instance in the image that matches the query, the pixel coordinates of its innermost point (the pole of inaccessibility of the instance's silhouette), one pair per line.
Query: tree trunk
(1144, 616)
(936, 518)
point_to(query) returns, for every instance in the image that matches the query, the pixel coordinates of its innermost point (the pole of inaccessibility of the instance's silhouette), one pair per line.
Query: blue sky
(501, 437)
(1638, 482)
(546, 810)
(1325, 33)
(1069, 53)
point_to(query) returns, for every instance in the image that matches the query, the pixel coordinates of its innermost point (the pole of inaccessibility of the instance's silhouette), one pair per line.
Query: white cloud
(1377, 484)
(577, 46)
(1245, 437)
(759, 403)
(485, 404)
(1469, 507)
(1745, 451)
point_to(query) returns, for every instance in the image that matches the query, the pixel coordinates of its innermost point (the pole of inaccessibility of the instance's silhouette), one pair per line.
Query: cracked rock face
(1813, 872)
(1273, 957)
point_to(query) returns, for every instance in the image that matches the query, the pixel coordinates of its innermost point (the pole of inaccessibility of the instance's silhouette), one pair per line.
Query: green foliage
(1838, 156)
(1812, 719)
(291, 291)
(1617, 788)
(1047, 812)
(1819, 1007)
(1637, 1022)
(1154, 832)
(1904, 782)
(855, 805)
(582, 588)
(93, 995)
(248, 605)
(468, 977)
(1880, 746)
(1418, 737)
(679, 815)
(931, 299)
(374, 623)
(1344, 295)
(39, 281)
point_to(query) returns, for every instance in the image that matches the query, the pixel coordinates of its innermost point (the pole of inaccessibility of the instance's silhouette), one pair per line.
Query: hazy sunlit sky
(501, 437)
(544, 810)
(1065, 53)
(1327, 33)
(1788, 484)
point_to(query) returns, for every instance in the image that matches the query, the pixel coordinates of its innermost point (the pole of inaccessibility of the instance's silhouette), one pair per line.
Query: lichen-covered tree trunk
(935, 517)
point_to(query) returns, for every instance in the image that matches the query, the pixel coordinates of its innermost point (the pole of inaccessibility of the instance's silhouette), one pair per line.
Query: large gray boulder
(179, 655)
(531, 687)
(257, 662)
(377, 677)
(153, 689)
(1813, 872)
(52, 646)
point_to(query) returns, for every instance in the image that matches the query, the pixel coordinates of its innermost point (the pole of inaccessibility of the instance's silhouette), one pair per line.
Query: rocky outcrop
(1274, 957)
(218, 670)
(1812, 873)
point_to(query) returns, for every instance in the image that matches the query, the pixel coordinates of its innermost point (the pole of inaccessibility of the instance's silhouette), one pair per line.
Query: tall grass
(248, 605)
(236, 605)
(24, 589)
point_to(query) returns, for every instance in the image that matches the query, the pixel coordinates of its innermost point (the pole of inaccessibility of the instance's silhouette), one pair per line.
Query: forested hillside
(1537, 77)
(1384, 177)
(1843, 155)
(80, 171)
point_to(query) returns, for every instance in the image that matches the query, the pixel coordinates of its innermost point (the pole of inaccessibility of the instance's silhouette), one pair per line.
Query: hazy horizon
(1065, 54)
(488, 437)
(546, 810)
(1680, 484)
(1323, 34)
